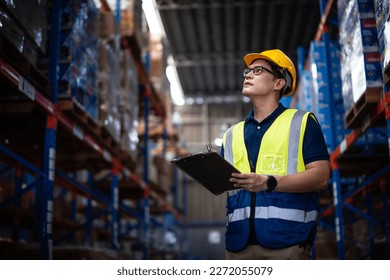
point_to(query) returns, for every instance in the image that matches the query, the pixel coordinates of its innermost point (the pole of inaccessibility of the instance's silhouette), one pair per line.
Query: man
(284, 162)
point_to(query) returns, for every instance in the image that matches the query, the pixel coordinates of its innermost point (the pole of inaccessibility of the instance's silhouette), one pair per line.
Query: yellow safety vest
(280, 219)
(281, 147)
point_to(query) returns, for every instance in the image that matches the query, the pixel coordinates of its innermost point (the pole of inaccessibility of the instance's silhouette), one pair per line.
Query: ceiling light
(176, 90)
(153, 17)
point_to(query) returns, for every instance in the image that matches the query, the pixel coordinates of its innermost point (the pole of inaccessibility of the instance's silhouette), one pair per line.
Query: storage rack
(354, 193)
(61, 143)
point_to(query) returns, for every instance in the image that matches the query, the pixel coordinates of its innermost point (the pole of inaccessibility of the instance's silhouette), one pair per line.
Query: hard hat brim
(249, 58)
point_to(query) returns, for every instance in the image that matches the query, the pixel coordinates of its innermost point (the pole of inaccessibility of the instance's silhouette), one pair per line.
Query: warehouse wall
(201, 124)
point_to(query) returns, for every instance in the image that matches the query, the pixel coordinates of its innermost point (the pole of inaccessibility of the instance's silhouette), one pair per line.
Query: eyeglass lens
(256, 70)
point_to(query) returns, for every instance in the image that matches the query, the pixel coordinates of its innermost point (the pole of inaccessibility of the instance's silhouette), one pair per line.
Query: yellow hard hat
(284, 64)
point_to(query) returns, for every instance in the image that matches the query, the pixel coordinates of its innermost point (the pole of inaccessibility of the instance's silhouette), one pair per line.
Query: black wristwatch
(271, 183)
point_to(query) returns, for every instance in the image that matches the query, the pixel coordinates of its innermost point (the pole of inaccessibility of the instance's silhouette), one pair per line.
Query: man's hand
(252, 182)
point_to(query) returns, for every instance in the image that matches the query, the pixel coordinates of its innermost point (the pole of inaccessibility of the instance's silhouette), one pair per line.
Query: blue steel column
(73, 211)
(114, 211)
(47, 206)
(336, 178)
(385, 196)
(47, 188)
(339, 218)
(146, 221)
(89, 211)
(18, 202)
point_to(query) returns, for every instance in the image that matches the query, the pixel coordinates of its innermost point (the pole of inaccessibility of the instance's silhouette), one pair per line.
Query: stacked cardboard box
(35, 23)
(118, 86)
(360, 59)
(109, 87)
(382, 16)
(25, 30)
(322, 94)
(79, 56)
(129, 104)
(131, 18)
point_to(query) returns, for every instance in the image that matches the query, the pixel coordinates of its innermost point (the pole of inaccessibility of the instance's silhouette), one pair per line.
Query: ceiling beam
(187, 62)
(173, 5)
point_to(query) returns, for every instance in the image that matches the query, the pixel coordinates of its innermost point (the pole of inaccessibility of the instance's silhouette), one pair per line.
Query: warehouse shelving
(360, 174)
(46, 139)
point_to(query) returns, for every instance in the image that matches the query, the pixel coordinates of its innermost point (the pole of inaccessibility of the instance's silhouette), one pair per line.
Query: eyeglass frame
(262, 68)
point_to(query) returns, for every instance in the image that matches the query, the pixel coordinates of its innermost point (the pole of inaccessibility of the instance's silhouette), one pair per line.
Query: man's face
(259, 84)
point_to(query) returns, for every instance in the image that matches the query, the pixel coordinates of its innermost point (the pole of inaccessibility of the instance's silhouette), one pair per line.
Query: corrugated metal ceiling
(208, 38)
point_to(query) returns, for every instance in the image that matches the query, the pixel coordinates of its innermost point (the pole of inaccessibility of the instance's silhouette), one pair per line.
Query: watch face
(271, 183)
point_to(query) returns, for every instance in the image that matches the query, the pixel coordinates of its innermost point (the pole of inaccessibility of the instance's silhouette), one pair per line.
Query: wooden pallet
(362, 107)
(16, 107)
(110, 142)
(78, 114)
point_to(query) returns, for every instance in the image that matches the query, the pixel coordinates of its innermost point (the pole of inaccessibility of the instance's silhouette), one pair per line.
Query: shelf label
(27, 88)
(127, 172)
(343, 146)
(106, 155)
(50, 206)
(52, 163)
(78, 131)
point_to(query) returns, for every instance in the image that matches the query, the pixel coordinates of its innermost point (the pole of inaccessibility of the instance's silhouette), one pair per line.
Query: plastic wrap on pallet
(306, 96)
(10, 30)
(109, 88)
(16, 36)
(80, 51)
(361, 68)
(382, 16)
(32, 17)
(129, 134)
(129, 106)
(326, 106)
(129, 84)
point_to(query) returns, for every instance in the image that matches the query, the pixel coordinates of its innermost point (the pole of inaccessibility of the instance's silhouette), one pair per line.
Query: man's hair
(275, 69)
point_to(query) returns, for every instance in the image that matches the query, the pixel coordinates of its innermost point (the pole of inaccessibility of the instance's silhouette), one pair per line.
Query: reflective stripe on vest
(293, 146)
(228, 149)
(272, 212)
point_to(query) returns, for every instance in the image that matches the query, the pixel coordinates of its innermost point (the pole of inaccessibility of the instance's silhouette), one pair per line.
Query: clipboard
(209, 169)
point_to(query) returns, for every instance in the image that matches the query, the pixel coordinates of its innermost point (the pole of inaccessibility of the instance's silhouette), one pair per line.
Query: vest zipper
(252, 234)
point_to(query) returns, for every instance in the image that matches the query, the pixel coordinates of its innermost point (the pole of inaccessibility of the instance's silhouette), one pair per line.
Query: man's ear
(280, 83)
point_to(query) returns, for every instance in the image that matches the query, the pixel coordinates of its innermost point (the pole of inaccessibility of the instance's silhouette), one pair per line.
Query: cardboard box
(106, 24)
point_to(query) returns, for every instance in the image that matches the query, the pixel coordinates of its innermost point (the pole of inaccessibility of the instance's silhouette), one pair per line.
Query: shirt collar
(280, 109)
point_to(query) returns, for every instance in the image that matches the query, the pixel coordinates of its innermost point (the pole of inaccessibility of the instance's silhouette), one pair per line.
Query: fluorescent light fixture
(153, 17)
(156, 27)
(173, 78)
